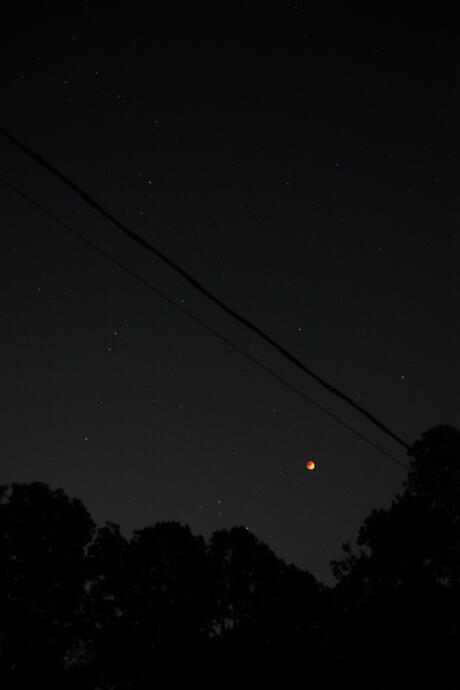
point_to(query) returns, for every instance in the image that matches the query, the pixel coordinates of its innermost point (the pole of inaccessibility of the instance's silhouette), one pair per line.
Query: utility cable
(201, 288)
(197, 319)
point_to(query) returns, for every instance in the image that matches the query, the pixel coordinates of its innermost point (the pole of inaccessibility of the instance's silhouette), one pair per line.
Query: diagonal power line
(200, 321)
(201, 288)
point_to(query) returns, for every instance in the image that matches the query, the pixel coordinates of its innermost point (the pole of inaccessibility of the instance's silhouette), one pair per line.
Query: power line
(197, 319)
(201, 288)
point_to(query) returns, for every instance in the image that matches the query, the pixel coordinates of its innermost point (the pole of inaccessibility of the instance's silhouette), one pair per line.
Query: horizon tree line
(85, 607)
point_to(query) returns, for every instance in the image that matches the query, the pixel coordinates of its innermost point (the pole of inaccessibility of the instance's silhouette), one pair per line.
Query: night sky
(300, 163)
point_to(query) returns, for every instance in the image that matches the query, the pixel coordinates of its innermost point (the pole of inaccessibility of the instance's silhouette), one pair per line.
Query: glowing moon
(310, 465)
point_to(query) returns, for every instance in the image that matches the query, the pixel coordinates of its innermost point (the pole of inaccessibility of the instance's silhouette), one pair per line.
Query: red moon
(310, 465)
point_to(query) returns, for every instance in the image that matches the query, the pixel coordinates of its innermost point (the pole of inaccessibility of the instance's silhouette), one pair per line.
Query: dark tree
(399, 593)
(43, 535)
(434, 478)
(268, 613)
(152, 600)
(100, 655)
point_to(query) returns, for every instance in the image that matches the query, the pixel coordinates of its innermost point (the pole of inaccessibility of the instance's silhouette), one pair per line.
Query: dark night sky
(302, 164)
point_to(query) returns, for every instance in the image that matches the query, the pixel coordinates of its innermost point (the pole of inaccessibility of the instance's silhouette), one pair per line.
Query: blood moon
(310, 465)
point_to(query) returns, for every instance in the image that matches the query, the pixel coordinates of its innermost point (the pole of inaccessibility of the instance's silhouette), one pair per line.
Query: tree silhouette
(403, 584)
(434, 477)
(43, 535)
(93, 610)
(268, 612)
(150, 596)
(99, 654)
